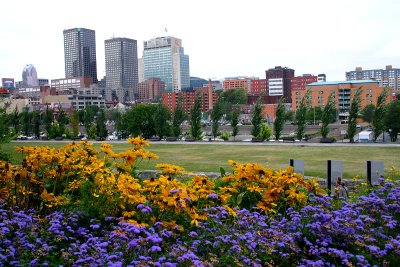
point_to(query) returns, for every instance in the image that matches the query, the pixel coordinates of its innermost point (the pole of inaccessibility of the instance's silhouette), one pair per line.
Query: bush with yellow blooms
(100, 182)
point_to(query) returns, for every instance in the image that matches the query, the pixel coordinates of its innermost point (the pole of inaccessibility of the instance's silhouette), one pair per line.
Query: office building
(279, 83)
(164, 58)
(121, 68)
(29, 76)
(80, 53)
(388, 77)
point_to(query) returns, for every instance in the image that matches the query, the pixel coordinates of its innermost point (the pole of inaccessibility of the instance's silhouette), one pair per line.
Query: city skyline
(222, 39)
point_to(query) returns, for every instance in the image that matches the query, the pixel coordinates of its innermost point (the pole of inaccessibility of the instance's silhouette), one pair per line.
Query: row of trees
(148, 120)
(383, 117)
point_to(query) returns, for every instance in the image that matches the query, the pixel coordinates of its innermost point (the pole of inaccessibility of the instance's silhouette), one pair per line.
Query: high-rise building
(388, 77)
(80, 53)
(279, 83)
(164, 58)
(121, 68)
(29, 76)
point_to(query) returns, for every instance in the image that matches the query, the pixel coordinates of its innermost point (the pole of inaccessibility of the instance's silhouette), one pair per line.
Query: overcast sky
(222, 38)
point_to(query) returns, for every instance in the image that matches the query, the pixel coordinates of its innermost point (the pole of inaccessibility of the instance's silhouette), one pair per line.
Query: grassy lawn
(210, 157)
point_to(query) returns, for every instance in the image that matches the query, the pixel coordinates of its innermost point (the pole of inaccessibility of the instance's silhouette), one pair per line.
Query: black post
(369, 172)
(291, 163)
(329, 176)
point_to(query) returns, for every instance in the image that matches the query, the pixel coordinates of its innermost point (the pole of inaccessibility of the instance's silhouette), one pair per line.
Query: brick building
(343, 92)
(150, 90)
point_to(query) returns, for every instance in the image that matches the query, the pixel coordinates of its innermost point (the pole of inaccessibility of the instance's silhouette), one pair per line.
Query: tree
(15, 120)
(162, 117)
(195, 118)
(392, 121)
(314, 115)
(256, 119)
(328, 112)
(62, 119)
(353, 114)
(378, 120)
(234, 119)
(265, 132)
(75, 123)
(216, 115)
(5, 135)
(230, 98)
(48, 119)
(139, 120)
(179, 116)
(279, 118)
(101, 128)
(367, 113)
(36, 123)
(300, 117)
(26, 121)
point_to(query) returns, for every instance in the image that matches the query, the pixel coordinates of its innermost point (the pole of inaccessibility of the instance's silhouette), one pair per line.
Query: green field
(210, 157)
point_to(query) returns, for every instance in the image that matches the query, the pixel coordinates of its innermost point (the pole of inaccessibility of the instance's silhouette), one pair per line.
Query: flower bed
(365, 233)
(77, 206)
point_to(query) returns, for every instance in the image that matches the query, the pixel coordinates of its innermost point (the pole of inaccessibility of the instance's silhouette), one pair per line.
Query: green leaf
(222, 171)
(240, 198)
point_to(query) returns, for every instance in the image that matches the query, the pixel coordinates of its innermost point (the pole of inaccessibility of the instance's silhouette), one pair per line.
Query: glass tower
(164, 58)
(121, 65)
(80, 53)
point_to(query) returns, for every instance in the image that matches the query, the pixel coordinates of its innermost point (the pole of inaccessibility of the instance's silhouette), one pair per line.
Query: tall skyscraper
(80, 53)
(29, 76)
(121, 67)
(164, 58)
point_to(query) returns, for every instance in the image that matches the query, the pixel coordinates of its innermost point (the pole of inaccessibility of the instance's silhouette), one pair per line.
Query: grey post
(298, 165)
(334, 170)
(374, 171)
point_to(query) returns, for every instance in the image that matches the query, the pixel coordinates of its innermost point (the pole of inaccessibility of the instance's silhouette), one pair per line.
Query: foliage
(234, 119)
(195, 118)
(256, 119)
(353, 114)
(48, 119)
(162, 117)
(314, 115)
(327, 113)
(101, 128)
(378, 120)
(231, 98)
(266, 131)
(367, 113)
(140, 120)
(178, 117)
(75, 123)
(26, 121)
(392, 122)
(225, 135)
(279, 118)
(300, 117)
(216, 115)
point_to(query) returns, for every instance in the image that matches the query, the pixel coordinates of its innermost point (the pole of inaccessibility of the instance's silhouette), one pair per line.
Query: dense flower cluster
(365, 233)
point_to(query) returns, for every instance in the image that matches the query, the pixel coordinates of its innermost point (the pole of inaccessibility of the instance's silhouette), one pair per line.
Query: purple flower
(213, 196)
(155, 249)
